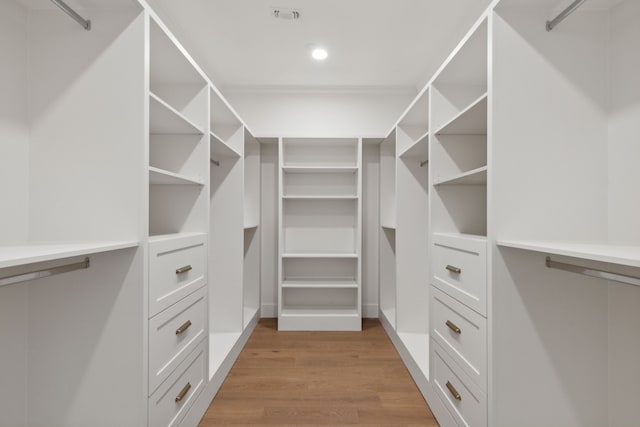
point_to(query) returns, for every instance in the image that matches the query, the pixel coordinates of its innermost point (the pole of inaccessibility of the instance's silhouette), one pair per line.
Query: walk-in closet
(374, 212)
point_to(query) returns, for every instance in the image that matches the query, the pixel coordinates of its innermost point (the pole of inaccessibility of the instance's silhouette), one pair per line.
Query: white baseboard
(369, 311)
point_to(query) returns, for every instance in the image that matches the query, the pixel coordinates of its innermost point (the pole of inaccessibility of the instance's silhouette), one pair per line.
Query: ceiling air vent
(286, 14)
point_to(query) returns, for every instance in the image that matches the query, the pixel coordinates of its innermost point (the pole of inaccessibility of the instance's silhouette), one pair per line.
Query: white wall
(320, 113)
(14, 134)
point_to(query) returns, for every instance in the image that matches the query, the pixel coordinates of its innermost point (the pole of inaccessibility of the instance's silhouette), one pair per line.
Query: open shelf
(473, 177)
(319, 197)
(12, 256)
(163, 177)
(470, 121)
(220, 149)
(165, 120)
(320, 169)
(166, 237)
(319, 255)
(466, 236)
(420, 148)
(603, 252)
(320, 283)
(389, 226)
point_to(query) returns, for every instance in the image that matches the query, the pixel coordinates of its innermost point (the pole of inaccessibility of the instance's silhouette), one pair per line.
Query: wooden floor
(319, 378)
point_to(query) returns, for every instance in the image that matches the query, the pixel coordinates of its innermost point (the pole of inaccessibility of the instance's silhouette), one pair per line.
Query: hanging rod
(85, 23)
(600, 274)
(215, 162)
(568, 11)
(423, 163)
(39, 274)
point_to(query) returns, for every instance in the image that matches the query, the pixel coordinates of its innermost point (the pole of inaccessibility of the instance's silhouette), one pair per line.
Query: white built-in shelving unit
(116, 204)
(320, 234)
(404, 235)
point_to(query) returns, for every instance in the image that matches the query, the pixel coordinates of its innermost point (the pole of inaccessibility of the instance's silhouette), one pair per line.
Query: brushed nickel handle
(453, 391)
(453, 269)
(183, 392)
(184, 327)
(453, 327)
(184, 269)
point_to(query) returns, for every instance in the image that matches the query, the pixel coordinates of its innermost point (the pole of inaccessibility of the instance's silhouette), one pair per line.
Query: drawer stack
(177, 326)
(458, 330)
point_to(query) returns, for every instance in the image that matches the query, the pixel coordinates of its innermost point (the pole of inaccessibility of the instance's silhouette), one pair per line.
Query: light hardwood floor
(319, 378)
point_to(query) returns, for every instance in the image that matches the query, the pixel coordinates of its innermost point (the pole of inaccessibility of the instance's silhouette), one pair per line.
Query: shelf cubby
(415, 122)
(462, 81)
(320, 152)
(162, 177)
(320, 225)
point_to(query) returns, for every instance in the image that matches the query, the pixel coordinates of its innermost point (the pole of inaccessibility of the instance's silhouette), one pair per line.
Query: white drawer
(173, 334)
(460, 269)
(177, 267)
(462, 333)
(464, 400)
(169, 405)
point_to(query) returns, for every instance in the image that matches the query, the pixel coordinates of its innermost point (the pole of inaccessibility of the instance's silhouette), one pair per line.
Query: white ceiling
(371, 43)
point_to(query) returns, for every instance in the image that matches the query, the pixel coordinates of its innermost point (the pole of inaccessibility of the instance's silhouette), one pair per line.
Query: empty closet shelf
(162, 177)
(11, 256)
(320, 283)
(603, 252)
(318, 255)
(473, 177)
(470, 121)
(166, 120)
(319, 169)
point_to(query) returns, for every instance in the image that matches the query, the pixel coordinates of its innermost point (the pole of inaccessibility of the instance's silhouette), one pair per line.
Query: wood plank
(319, 379)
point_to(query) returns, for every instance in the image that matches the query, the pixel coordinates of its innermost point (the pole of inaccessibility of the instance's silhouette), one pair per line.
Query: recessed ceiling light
(319, 54)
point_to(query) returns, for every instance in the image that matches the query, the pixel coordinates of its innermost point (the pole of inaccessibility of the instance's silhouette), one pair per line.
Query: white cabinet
(320, 234)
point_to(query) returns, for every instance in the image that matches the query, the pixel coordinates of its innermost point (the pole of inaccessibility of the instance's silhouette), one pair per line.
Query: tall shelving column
(387, 242)
(178, 105)
(320, 234)
(458, 175)
(226, 257)
(412, 231)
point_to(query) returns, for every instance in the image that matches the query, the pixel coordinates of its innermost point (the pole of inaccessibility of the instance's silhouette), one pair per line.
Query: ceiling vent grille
(286, 14)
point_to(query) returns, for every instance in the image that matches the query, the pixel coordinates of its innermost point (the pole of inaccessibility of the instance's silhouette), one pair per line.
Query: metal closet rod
(39, 274)
(568, 11)
(593, 272)
(85, 23)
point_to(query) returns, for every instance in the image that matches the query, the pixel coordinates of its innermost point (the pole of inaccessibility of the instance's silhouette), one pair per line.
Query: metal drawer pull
(453, 269)
(453, 327)
(183, 392)
(184, 327)
(184, 269)
(453, 391)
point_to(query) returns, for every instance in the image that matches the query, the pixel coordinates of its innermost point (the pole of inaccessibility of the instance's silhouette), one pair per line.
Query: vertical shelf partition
(320, 234)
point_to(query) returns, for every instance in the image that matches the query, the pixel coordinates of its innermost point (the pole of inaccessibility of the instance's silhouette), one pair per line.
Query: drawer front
(173, 334)
(462, 333)
(169, 405)
(464, 400)
(176, 269)
(460, 270)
